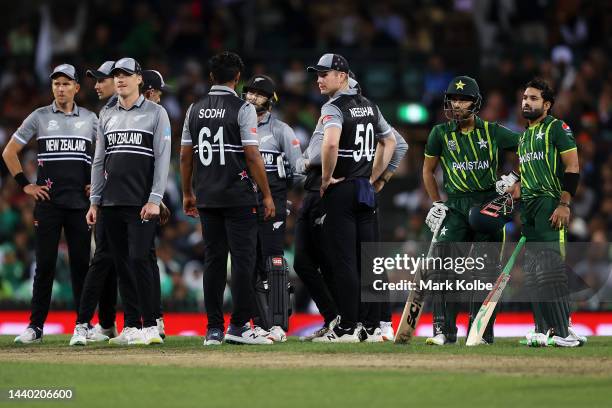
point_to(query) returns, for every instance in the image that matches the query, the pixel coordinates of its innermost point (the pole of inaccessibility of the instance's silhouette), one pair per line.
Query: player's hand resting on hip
(40, 193)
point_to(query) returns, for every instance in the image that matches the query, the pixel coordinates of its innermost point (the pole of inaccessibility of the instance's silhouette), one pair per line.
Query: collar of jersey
(349, 91)
(265, 119)
(222, 88)
(478, 123)
(75, 109)
(545, 121)
(137, 104)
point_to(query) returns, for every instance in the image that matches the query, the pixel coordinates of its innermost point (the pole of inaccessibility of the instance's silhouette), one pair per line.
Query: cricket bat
(485, 312)
(414, 305)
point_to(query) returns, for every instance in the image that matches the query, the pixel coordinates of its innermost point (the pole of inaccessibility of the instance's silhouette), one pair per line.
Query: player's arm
(161, 150)
(247, 120)
(97, 174)
(564, 141)
(387, 143)
(401, 147)
(94, 135)
(331, 120)
(508, 140)
(186, 169)
(10, 154)
(437, 212)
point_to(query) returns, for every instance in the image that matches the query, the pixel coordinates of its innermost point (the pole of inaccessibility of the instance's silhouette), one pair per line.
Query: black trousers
(347, 224)
(230, 230)
(49, 220)
(100, 288)
(130, 241)
(310, 262)
(101, 282)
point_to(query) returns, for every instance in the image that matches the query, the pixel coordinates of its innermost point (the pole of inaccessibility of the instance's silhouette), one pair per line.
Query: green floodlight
(412, 113)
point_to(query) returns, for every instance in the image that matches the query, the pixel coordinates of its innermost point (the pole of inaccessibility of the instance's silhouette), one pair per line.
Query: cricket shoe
(214, 337)
(437, 340)
(96, 333)
(161, 328)
(572, 333)
(373, 335)
(387, 331)
(79, 336)
(277, 334)
(151, 336)
(339, 335)
(110, 332)
(129, 336)
(245, 335)
(29, 336)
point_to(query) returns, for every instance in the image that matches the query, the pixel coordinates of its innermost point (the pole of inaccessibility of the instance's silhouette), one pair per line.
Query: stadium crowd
(400, 54)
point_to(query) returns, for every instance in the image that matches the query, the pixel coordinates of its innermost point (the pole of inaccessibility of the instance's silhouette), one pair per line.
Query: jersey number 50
(365, 143)
(205, 148)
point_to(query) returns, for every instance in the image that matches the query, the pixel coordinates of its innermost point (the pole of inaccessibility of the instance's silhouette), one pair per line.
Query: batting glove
(506, 181)
(436, 215)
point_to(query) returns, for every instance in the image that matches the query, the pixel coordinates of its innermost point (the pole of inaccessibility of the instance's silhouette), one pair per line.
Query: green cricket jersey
(540, 149)
(469, 160)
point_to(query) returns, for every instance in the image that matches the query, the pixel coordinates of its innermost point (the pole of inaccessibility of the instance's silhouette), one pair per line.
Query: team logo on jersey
(277, 225)
(111, 121)
(539, 135)
(452, 145)
(79, 124)
(138, 117)
(566, 127)
(53, 125)
(483, 144)
(265, 138)
(40, 163)
(243, 175)
(49, 183)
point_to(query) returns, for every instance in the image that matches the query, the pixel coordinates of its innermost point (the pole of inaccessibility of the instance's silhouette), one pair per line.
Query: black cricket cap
(153, 80)
(329, 62)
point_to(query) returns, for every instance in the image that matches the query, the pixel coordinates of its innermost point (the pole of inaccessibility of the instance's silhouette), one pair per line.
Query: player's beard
(532, 114)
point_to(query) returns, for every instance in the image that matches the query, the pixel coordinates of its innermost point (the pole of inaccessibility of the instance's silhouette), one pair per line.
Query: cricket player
(467, 148)
(280, 150)
(549, 172)
(220, 145)
(351, 126)
(100, 286)
(64, 134)
(129, 176)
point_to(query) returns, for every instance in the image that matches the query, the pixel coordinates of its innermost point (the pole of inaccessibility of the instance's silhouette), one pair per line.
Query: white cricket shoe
(96, 334)
(277, 334)
(29, 336)
(151, 336)
(161, 328)
(129, 336)
(110, 332)
(437, 340)
(246, 335)
(80, 334)
(576, 336)
(387, 331)
(338, 335)
(373, 335)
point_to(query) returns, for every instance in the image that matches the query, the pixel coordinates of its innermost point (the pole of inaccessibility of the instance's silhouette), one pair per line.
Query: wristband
(564, 204)
(21, 179)
(570, 182)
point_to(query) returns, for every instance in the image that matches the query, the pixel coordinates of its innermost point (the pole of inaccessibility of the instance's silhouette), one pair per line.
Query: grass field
(183, 373)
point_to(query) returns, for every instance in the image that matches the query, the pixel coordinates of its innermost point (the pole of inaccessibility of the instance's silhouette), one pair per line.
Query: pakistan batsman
(549, 177)
(467, 148)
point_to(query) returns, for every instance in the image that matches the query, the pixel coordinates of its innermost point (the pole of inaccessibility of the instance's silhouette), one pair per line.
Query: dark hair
(225, 66)
(547, 92)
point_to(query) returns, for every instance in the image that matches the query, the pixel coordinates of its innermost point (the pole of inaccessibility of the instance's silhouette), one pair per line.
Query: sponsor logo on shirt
(53, 125)
(452, 145)
(79, 124)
